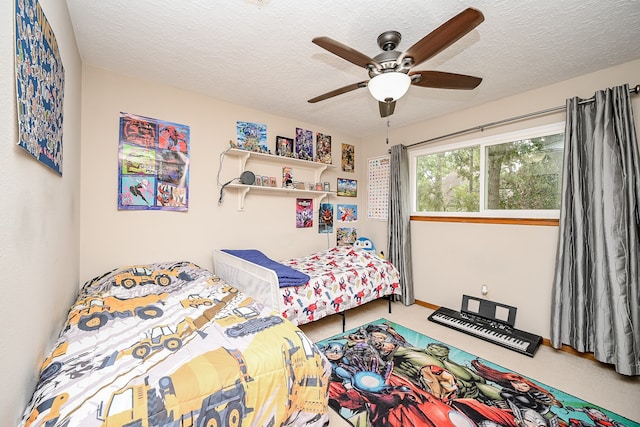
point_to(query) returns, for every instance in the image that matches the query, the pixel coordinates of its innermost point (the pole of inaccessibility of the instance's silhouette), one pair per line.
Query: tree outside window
(519, 175)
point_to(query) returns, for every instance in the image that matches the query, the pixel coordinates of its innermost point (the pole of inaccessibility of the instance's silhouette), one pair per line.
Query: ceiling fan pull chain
(388, 121)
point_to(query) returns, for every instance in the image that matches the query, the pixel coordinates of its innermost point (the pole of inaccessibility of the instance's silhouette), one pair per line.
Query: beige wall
(111, 238)
(39, 224)
(515, 262)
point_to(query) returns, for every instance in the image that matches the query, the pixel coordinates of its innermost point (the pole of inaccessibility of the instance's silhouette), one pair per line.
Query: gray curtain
(398, 225)
(595, 300)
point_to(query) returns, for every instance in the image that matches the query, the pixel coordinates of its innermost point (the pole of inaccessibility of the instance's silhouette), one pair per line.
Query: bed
(340, 278)
(170, 344)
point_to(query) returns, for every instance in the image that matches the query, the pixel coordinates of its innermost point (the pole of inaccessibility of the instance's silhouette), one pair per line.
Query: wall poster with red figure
(325, 224)
(153, 166)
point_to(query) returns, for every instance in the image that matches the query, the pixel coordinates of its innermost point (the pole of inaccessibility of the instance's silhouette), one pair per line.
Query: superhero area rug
(384, 374)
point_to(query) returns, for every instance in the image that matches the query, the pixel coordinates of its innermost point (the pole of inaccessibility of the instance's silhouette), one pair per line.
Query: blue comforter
(287, 276)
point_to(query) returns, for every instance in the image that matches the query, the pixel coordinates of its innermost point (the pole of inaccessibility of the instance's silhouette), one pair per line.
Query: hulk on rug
(384, 374)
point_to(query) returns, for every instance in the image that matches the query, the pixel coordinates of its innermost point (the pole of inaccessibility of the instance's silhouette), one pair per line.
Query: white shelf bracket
(243, 161)
(242, 192)
(318, 173)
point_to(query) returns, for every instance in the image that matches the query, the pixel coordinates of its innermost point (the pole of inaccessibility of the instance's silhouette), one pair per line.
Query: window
(518, 174)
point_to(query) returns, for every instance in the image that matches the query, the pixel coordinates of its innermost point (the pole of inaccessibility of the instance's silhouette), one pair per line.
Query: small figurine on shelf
(232, 144)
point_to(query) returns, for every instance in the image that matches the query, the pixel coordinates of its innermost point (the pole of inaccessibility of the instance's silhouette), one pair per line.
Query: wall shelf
(244, 157)
(243, 190)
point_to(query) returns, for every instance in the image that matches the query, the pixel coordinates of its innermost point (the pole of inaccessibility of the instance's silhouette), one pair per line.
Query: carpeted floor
(394, 400)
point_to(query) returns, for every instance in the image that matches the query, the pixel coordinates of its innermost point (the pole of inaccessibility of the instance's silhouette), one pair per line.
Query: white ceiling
(259, 53)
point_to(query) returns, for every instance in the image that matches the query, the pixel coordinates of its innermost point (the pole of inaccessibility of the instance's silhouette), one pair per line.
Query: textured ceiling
(259, 53)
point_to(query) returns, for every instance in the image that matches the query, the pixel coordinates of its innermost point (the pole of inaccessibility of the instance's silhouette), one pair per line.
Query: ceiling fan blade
(442, 80)
(345, 52)
(340, 91)
(386, 108)
(444, 36)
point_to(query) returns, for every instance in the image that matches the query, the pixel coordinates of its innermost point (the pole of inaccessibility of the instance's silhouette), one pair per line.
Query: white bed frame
(256, 281)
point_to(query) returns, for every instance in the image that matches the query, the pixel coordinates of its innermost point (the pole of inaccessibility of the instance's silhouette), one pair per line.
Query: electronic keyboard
(489, 330)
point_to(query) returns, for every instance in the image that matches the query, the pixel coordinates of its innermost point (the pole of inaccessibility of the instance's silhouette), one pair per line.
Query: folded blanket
(287, 276)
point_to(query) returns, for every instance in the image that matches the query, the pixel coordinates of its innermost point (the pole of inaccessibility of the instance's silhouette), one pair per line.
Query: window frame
(483, 143)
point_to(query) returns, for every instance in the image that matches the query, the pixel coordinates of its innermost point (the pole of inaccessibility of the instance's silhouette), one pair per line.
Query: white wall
(111, 238)
(516, 262)
(39, 224)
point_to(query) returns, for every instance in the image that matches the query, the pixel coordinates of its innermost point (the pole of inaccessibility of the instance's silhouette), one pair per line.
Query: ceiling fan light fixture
(390, 86)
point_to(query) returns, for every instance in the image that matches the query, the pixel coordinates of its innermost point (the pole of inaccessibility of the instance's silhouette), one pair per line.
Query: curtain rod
(633, 90)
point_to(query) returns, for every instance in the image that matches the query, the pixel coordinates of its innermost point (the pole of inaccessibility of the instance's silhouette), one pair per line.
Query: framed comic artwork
(347, 187)
(284, 146)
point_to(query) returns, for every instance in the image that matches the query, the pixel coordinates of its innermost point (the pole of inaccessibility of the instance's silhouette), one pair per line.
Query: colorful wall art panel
(252, 136)
(348, 158)
(39, 85)
(325, 223)
(304, 213)
(323, 148)
(347, 213)
(346, 236)
(153, 167)
(304, 144)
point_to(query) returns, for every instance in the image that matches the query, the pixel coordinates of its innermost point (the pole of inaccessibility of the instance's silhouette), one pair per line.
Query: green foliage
(520, 175)
(449, 181)
(529, 174)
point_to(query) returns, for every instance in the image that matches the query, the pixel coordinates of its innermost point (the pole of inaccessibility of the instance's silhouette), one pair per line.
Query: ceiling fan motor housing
(389, 40)
(388, 62)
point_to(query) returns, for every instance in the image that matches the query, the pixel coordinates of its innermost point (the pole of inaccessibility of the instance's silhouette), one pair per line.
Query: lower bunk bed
(170, 344)
(338, 279)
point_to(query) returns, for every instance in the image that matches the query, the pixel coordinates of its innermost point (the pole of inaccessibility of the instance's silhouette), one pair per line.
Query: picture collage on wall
(153, 166)
(253, 137)
(303, 145)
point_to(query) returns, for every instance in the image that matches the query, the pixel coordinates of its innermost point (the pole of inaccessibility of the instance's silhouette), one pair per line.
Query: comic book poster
(304, 144)
(325, 222)
(323, 148)
(304, 213)
(39, 85)
(252, 136)
(346, 236)
(153, 166)
(347, 213)
(284, 146)
(287, 177)
(348, 158)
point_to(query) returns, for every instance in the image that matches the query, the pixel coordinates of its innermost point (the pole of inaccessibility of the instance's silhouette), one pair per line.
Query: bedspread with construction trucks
(171, 345)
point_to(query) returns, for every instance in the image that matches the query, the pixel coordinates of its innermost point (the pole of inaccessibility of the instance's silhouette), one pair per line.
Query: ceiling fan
(390, 71)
